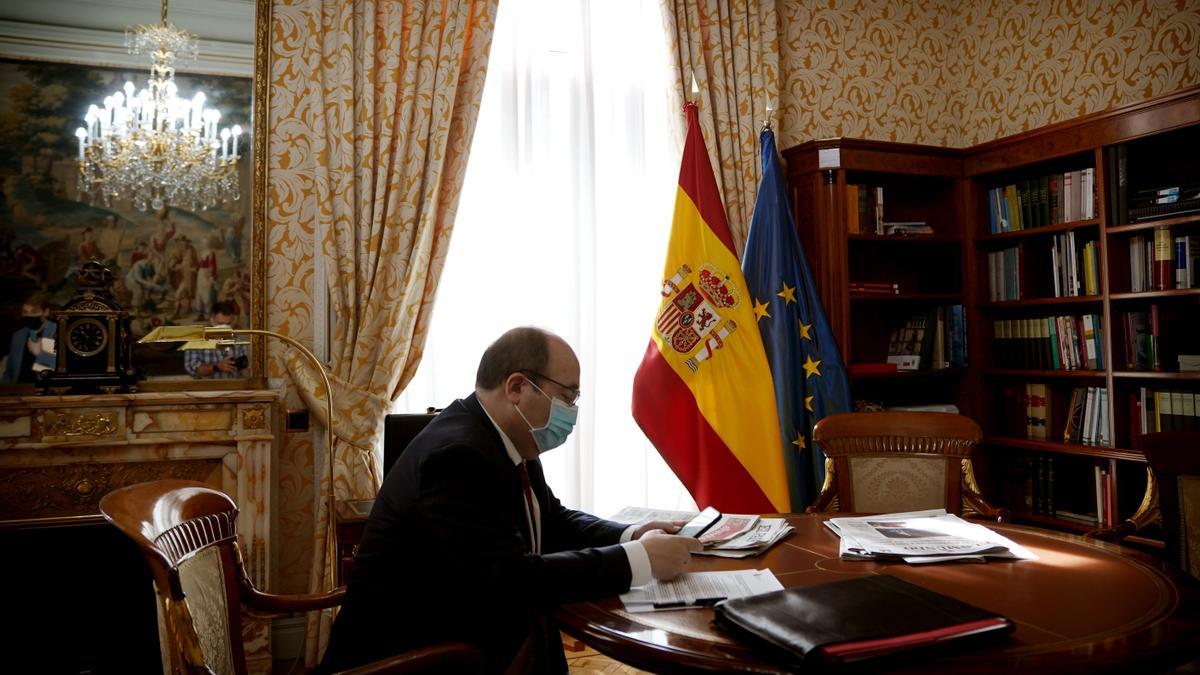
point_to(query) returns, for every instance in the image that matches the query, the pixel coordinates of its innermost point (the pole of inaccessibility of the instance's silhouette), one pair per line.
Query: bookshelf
(1048, 241)
(888, 269)
(1057, 475)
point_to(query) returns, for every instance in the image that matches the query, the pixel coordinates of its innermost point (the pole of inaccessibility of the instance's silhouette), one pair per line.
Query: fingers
(669, 555)
(693, 545)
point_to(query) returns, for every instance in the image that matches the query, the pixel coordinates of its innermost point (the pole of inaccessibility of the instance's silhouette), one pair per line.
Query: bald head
(518, 374)
(521, 349)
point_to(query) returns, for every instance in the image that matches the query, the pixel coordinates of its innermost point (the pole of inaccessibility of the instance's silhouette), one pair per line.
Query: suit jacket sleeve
(471, 504)
(565, 529)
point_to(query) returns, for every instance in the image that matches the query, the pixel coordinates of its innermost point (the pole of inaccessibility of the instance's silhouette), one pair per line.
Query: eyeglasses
(574, 393)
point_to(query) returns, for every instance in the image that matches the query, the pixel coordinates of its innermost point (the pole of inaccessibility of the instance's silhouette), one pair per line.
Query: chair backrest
(888, 462)
(1174, 457)
(186, 531)
(398, 431)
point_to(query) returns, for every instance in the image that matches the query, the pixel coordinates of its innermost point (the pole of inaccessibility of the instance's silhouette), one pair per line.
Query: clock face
(87, 337)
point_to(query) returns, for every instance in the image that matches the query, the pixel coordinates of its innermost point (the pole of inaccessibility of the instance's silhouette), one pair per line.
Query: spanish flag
(703, 393)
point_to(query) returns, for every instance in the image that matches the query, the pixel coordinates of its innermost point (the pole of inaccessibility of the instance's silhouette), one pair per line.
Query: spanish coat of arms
(691, 315)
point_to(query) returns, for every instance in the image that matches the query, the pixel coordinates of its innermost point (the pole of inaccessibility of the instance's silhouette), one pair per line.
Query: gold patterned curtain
(732, 49)
(385, 122)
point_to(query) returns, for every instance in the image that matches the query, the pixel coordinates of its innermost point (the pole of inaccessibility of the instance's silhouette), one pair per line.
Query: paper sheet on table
(699, 589)
(641, 514)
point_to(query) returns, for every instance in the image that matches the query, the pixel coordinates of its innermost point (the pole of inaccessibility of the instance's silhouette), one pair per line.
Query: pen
(698, 602)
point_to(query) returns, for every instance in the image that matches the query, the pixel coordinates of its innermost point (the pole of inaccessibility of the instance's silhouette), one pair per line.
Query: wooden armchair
(1172, 497)
(889, 462)
(185, 530)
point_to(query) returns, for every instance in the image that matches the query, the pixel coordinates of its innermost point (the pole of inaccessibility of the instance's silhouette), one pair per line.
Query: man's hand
(668, 526)
(669, 554)
(225, 365)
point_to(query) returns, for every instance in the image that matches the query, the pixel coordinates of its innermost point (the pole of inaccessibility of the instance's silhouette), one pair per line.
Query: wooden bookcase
(1046, 481)
(919, 184)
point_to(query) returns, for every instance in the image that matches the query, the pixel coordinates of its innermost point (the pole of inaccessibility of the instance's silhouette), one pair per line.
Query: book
(880, 287)
(1163, 270)
(857, 619)
(877, 208)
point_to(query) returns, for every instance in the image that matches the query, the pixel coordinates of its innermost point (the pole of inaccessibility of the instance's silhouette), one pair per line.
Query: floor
(581, 659)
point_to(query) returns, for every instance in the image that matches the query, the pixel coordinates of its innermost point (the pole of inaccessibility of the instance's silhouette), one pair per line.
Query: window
(563, 224)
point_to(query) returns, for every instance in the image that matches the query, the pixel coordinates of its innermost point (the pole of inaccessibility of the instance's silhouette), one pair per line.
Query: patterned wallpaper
(961, 73)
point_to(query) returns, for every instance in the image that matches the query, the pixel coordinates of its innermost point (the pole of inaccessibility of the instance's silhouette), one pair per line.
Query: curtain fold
(398, 89)
(731, 47)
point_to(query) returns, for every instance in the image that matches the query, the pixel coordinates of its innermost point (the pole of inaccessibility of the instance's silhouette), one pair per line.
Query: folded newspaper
(922, 537)
(733, 536)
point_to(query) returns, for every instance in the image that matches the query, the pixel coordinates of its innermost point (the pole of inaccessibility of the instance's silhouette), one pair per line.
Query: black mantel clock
(93, 340)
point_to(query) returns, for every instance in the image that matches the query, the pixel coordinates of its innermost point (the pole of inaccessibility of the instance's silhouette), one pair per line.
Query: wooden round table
(1083, 606)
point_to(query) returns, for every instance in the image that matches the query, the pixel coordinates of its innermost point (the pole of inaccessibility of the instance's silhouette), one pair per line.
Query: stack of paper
(699, 589)
(733, 536)
(922, 537)
(743, 536)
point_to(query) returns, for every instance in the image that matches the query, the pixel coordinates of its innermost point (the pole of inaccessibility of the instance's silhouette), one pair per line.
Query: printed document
(699, 589)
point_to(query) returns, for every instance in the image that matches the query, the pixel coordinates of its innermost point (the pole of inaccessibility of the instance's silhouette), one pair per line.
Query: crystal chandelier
(153, 147)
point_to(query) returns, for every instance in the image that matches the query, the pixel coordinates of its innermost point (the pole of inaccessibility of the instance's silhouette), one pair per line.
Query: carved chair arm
(450, 657)
(287, 604)
(1148, 513)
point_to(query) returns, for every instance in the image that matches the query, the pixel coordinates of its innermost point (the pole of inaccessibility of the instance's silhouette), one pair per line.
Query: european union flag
(807, 369)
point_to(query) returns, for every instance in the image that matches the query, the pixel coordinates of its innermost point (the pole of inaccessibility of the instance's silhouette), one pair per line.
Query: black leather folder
(851, 621)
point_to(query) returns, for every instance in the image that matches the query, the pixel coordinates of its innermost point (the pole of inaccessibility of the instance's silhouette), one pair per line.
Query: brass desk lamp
(212, 337)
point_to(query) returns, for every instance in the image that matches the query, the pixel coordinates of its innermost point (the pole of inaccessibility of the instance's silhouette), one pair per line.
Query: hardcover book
(848, 621)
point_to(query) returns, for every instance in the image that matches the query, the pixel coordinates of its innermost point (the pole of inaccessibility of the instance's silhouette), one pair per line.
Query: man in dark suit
(466, 542)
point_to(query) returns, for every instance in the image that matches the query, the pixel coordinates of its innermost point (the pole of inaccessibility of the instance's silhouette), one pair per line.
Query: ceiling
(93, 31)
(221, 20)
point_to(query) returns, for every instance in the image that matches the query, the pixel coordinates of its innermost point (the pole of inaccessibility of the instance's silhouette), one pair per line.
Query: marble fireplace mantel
(60, 454)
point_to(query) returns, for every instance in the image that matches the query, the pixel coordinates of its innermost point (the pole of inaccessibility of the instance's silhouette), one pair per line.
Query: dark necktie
(535, 538)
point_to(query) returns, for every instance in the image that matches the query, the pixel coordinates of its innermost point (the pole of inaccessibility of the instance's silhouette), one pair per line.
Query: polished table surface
(1084, 606)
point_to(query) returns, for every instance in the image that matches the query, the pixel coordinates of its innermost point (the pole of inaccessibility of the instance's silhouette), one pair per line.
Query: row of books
(1004, 274)
(1050, 343)
(1042, 201)
(1032, 409)
(1163, 262)
(864, 209)
(1087, 417)
(932, 340)
(1162, 410)
(864, 214)
(1143, 340)
(1083, 496)
(1066, 262)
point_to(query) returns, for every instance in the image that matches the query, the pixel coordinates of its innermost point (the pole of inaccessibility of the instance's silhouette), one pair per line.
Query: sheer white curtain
(563, 224)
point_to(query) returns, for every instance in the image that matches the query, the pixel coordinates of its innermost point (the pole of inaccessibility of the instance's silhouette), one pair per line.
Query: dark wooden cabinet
(877, 285)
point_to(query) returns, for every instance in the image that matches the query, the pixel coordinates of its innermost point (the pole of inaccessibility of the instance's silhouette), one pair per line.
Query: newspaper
(699, 589)
(733, 536)
(765, 533)
(922, 537)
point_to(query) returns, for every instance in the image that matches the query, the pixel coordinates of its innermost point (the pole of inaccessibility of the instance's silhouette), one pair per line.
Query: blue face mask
(558, 426)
